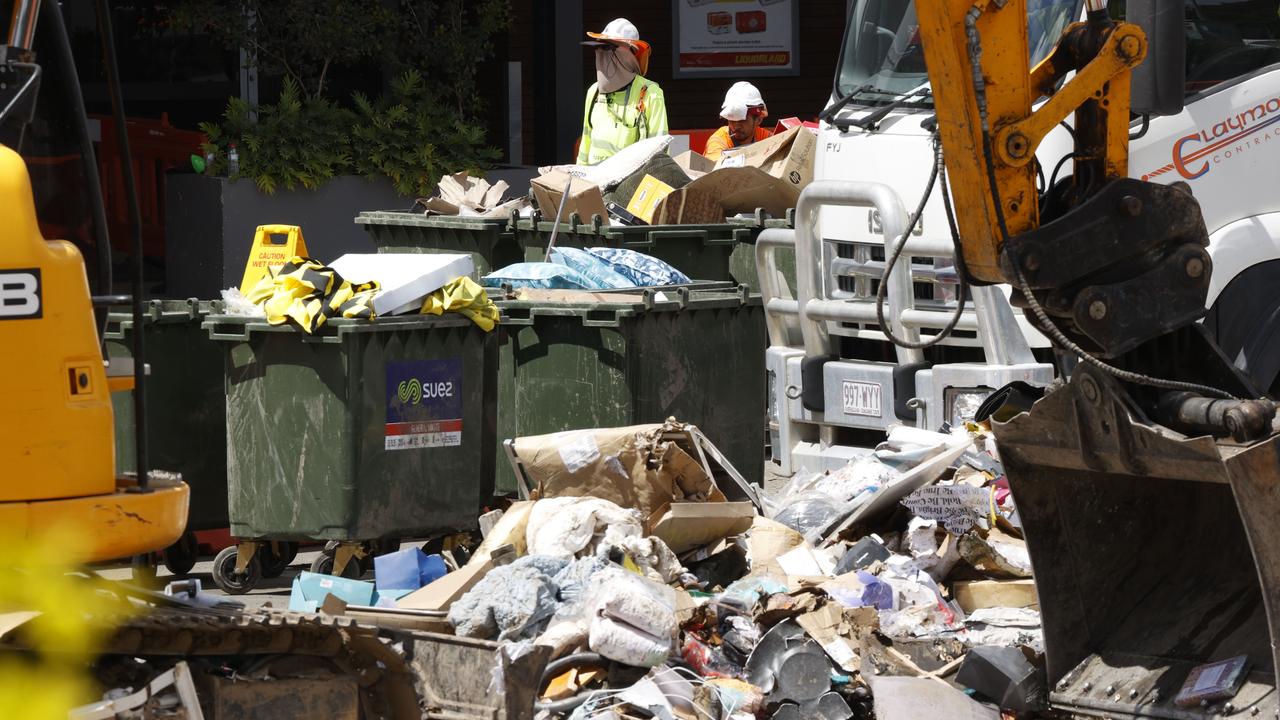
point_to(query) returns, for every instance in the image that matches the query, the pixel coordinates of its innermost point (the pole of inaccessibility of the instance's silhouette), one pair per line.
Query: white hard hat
(620, 30)
(740, 98)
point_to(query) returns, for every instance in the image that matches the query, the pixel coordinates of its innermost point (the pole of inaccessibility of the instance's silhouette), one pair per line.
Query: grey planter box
(210, 221)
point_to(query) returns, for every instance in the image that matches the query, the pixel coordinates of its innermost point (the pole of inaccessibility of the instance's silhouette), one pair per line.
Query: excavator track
(400, 673)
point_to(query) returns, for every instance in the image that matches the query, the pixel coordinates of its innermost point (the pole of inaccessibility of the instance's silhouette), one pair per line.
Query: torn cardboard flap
(768, 174)
(696, 206)
(788, 156)
(641, 467)
(441, 593)
(769, 539)
(606, 463)
(585, 198)
(978, 594)
(685, 526)
(460, 194)
(727, 191)
(827, 625)
(693, 162)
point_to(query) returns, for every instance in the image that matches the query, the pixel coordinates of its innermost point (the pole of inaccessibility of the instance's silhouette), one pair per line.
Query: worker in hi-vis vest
(622, 105)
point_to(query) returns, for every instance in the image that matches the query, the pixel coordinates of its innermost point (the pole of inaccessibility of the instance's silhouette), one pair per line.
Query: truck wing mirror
(1159, 82)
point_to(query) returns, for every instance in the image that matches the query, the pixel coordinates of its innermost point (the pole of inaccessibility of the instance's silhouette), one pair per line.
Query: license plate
(861, 398)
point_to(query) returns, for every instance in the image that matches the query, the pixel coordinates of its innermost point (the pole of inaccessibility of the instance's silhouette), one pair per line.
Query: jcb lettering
(20, 294)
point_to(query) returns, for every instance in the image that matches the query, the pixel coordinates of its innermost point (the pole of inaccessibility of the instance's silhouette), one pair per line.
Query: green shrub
(292, 143)
(411, 138)
(427, 123)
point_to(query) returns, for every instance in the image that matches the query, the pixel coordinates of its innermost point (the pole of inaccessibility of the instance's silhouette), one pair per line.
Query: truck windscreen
(882, 45)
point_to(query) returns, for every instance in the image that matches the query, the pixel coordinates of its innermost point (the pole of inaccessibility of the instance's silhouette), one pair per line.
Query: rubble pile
(660, 584)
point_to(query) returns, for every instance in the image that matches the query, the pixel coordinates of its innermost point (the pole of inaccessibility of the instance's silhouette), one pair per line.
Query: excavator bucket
(1154, 554)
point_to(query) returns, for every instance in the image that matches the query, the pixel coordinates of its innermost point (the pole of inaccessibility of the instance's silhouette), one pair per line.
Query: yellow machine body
(57, 444)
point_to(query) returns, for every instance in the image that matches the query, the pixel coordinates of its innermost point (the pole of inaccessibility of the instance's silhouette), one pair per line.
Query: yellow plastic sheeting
(309, 293)
(463, 295)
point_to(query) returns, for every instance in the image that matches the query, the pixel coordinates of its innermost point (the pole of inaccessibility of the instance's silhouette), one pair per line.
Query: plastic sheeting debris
(511, 602)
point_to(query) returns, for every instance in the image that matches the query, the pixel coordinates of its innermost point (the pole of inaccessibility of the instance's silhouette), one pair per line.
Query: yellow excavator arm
(984, 90)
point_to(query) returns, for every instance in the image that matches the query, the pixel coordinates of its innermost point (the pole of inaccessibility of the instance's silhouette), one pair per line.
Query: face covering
(615, 67)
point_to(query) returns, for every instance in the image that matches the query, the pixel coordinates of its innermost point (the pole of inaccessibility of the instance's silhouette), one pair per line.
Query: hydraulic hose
(65, 64)
(135, 246)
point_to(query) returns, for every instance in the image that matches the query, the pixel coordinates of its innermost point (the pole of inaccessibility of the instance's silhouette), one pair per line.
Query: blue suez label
(424, 404)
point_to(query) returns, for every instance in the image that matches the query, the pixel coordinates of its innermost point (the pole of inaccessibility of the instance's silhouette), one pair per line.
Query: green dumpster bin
(490, 241)
(702, 252)
(637, 357)
(187, 423)
(365, 430)
(742, 264)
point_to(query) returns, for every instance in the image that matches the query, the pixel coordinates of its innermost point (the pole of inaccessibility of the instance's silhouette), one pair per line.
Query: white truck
(875, 156)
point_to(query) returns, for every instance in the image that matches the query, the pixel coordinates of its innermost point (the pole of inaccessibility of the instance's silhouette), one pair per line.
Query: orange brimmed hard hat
(623, 32)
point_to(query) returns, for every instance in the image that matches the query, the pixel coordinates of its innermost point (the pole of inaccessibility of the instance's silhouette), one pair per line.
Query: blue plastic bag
(643, 270)
(600, 272)
(407, 569)
(876, 593)
(538, 275)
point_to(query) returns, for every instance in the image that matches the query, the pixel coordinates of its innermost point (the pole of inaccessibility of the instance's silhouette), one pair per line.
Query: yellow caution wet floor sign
(273, 246)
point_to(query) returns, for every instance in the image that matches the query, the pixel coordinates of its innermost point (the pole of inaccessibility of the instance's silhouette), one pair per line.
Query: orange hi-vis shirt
(720, 141)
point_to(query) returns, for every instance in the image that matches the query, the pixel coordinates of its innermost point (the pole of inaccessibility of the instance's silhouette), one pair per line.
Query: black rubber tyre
(323, 564)
(289, 549)
(224, 572)
(181, 556)
(384, 546)
(276, 558)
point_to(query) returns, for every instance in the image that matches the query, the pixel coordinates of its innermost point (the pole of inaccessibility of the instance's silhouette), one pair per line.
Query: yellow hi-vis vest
(612, 121)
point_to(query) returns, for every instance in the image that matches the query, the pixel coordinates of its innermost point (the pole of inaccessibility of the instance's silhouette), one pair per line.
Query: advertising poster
(735, 37)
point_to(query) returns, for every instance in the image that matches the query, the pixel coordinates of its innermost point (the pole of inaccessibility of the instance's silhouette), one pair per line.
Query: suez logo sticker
(20, 294)
(1195, 154)
(424, 404)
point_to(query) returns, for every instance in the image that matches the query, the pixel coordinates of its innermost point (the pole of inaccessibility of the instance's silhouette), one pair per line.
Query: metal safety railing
(823, 305)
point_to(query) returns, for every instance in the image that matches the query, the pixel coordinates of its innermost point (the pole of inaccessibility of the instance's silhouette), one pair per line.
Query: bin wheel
(277, 557)
(144, 570)
(181, 556)
(384, 546)
(323, 564)
(224, 572)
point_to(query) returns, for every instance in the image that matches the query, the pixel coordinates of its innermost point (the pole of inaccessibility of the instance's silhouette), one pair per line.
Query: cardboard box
(644, 467)
(310, 589)
(767, 174)
(685, 526)
(694, 162)
(648, 194)
(629, 466)
(407, 570)
(978, 594)
(405, 278)
(697, 206)
(585, 198)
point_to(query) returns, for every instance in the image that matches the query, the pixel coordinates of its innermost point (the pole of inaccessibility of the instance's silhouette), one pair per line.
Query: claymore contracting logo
(1196, 154)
